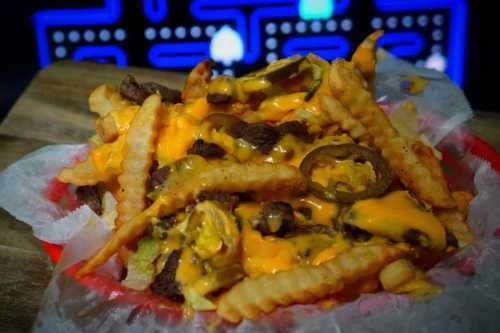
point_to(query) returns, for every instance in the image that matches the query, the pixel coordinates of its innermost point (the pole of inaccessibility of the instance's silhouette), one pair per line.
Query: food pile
(287, 185)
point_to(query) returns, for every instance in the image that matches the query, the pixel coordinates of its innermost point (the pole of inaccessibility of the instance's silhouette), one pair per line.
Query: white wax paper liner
(22, 193)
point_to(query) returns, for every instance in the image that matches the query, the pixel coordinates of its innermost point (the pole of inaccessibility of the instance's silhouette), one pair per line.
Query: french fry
(427, 157)
(197, 81)
(116, 123)
(105, 99)
(109, 212)
(346, 121)
(139, 150)
(397, 273)
(303, 284)
(233, 177)
(463, 199)
(106, 128)
(82, 173)
(454, 222)
(347, 85)
(364, 58)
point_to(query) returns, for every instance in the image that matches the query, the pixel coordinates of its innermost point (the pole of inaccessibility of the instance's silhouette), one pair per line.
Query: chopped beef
(157, 178)
(295, 128)
(90, 196)
(132, 90)
(261, 135)
(167, 94)
(228, 200)
(206, 149)
(237, 129)
(165, 284)
(137, 92)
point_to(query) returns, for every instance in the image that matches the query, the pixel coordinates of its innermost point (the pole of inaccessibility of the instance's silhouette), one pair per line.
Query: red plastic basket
(167, 309)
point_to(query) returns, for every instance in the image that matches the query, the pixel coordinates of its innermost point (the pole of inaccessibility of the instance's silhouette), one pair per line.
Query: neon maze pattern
(173, 36)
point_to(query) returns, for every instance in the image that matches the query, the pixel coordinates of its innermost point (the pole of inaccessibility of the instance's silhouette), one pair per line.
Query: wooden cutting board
(53, 110)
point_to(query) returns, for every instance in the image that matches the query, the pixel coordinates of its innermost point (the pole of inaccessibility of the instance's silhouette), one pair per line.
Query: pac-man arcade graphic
(242, 35)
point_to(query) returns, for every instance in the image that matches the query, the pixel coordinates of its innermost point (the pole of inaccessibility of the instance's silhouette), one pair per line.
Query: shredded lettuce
(140, 268)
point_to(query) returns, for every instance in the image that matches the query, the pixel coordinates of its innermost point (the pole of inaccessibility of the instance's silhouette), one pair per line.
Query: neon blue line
(457, 27)
(252, 55)
(341, 7)
(156, 10)
(95, 52)
(402, 5)
(109, 14)
(172, 55)
(403, 44)
(457, 42)
(328, 47)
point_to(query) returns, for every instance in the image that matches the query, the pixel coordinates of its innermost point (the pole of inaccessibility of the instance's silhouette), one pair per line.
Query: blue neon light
(328, 47)
(105, 53)
(215, 10)
(457, 27)
(402, 44)
(109, 14)
(156, 10)
(316, 9)
(176, 55)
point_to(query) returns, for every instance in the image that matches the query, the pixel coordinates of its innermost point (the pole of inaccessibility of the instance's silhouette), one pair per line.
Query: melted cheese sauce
(108, 157)
(339, 245)
(322, 212)
(395, 214)
(352, 176)
(124, 117)
(276, 108)
(266, 255)
(179, 131)
(189, 269)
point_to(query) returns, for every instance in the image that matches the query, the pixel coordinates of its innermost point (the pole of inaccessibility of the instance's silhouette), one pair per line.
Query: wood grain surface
(53, 110)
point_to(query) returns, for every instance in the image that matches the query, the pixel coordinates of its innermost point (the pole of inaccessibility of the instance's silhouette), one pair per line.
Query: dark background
(19, 61)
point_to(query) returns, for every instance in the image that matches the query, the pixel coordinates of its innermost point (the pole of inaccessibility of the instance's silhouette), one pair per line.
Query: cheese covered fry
(347, 85)
(82, 173)
(303, 284)
(197, 81)
(229, 178)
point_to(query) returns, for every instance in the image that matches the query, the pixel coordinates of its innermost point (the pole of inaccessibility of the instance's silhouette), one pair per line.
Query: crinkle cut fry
(344, 119)
(140, 147)
(347, 87)
(303, 284)
(233, 177)
(455, 222)
(197, 81)
(365, 59)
